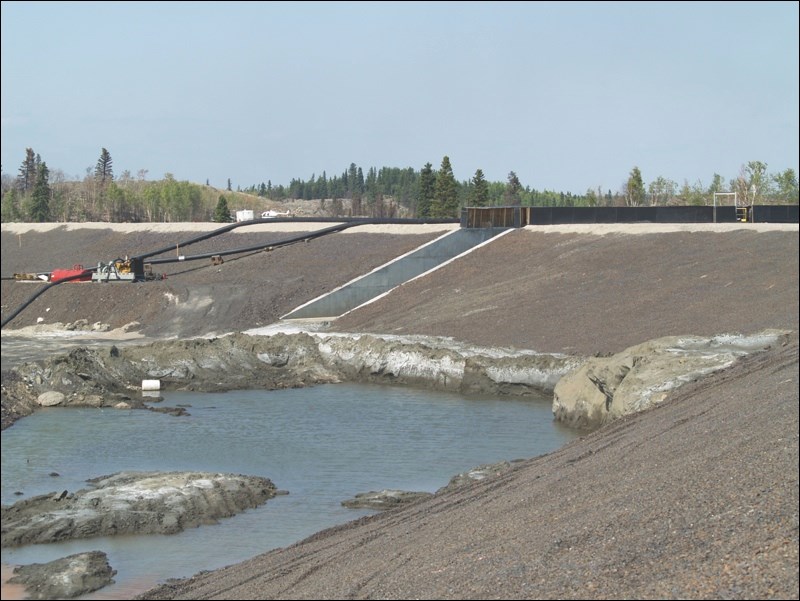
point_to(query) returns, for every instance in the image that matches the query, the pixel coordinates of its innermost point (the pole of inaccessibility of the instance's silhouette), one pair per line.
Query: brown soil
(585, 294)
(574, 293)
(695, 499)
(248, 290)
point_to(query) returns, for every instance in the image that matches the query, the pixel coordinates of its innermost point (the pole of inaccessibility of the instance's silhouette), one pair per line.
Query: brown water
(128, 590)
(11, 591)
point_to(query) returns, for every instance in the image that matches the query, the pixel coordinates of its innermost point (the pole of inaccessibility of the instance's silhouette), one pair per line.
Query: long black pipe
(345, 223)
(306, 236)
(278, 244)
(36, 295)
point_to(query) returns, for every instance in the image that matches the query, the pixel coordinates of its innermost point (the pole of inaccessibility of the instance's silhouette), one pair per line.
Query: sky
(570, 96)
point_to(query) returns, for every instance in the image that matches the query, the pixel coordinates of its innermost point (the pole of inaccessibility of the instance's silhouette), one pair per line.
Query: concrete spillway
(381, 280)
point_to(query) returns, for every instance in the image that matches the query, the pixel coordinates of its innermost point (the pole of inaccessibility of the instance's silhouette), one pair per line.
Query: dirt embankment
(247, 290)
(695, 499)
(566, 290)
(570, 290)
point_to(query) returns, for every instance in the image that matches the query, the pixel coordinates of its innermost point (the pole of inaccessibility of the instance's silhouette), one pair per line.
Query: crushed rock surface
(696, 498)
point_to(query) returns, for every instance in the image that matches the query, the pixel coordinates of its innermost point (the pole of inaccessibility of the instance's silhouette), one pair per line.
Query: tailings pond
(322, 444)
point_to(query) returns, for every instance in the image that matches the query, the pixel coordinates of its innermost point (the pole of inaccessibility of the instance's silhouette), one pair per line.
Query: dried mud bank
(112, 376)
(133, 503)
(119, 504)
(65, 578)
(587, 391)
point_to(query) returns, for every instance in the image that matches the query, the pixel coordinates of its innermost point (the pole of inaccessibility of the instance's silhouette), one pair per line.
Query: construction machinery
(125, 270)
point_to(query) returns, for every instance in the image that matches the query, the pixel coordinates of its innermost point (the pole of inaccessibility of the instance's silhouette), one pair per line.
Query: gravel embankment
(697, 498)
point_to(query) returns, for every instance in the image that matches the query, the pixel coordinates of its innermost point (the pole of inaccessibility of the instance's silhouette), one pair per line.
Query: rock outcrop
(108, 376)
(384, 499)
(476, 474)
(606, 388)
(133, 503)
(65, 578)
(587, 392)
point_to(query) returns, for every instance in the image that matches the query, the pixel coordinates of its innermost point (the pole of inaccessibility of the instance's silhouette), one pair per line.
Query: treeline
(417, 189)
(37, 194)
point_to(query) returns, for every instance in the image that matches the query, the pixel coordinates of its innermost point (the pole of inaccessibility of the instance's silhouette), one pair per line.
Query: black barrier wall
(479, 217)
(776, 214)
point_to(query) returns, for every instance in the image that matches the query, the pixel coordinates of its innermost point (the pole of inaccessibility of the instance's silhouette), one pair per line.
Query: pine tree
(511, 195)
(27, 172)
(446, 192)
(360, 181)
(425, 191)
(222, 213)
(40, 199)
(479, 194)
(351, 179)
(103, 171)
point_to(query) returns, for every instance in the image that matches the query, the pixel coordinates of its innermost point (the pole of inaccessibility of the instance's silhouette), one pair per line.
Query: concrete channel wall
(388, 276)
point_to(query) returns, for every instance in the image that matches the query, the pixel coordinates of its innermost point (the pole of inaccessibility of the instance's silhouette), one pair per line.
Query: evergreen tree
(40, 199)
(321, 188)
(351, 178)
(425, 191)
(103, 171)
(229, 185)
(27, 172)
(222, 214)
(360, 181)
(446, 192)
(479, 193)
(511, 196)
(373, 192)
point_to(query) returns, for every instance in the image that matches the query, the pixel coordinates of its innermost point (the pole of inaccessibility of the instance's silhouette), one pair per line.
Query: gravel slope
(697, 498)
(571, 290)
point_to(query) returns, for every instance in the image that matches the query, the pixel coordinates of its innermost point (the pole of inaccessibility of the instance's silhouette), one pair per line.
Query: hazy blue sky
(569, 96)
